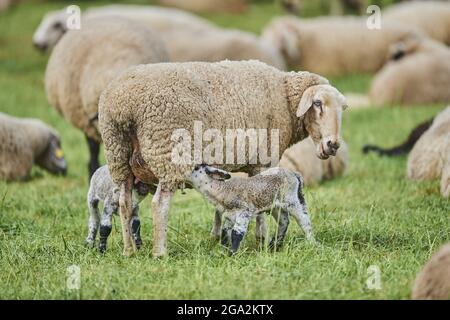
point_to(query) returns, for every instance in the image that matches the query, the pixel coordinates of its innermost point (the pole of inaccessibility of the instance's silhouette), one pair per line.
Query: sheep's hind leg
(239, 230)
(136, 227)
(282, 218)
(94, 150)
(94, 220)
(215, 232)
(160, 210)
(125, 212)
(300, 213)
(226, 231)
(105, 227)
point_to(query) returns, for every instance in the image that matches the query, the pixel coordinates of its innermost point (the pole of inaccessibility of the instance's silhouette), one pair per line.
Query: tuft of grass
(371, 216)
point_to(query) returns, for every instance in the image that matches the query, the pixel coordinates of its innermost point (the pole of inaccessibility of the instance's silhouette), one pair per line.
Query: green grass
(372, 216)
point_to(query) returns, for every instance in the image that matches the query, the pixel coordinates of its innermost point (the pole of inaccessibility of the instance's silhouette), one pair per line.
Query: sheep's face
(52, 159)
(51, 29)
(322, 107)
(203, 173)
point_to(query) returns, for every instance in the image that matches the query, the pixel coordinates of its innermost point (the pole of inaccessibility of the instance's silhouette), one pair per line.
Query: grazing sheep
(141, 110)
(418, 74)
(83, 63)
(275, 190)
(433, 282)
(53, 25)
(103, 189)
(25, 142)
(432, 17)
(427, 159)
(208, 6)
(302, 159)
(406, 146)
(349, 47)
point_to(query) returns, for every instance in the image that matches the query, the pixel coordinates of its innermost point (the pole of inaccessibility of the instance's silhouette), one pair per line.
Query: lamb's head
(322, 106)
(204, 174)
(52, 158)
(50, 30)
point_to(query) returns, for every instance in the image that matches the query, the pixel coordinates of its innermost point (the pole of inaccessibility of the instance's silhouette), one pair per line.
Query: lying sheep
(418, 74)
(432, 17)
(301, 158)
(103, 189)
(142, 108)
(333, 45)
(83, 63)
(275, 190)
(25, 142)
(433, 282)
(427, 159)
(208, 6)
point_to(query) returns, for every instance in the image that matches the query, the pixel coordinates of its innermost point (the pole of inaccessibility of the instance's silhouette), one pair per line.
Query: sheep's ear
(306, 102)
(217, 174)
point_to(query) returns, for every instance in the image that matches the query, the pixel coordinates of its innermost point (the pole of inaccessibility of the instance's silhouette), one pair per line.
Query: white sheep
(275, 190)
(141, 110)
(25, 142)
(83, 63)
(445, 179)
(302, 159)
(103, 190)
(334, 45)
(432, 17)
(433, 281)
(419, 73)
(429, 155)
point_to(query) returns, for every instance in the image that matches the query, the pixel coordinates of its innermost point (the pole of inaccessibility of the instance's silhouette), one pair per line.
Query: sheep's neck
(215, 191)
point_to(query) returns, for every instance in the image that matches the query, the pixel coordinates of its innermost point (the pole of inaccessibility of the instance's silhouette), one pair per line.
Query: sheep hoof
(89, 244)
(128, 252)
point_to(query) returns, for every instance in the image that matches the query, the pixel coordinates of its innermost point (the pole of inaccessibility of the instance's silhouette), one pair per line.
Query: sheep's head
(50, 30)
(322, 106)
(52, 159)
(202, 173)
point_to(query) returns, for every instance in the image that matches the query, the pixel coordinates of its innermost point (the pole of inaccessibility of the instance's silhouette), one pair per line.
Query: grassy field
(371, 217)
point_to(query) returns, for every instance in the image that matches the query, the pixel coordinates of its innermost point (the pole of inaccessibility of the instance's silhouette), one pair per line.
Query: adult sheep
(429, 155)
(350, 47)
(83, 63)
(419, 73)
(301, 158)
(25, 142)
(141, 110)
(432, 17)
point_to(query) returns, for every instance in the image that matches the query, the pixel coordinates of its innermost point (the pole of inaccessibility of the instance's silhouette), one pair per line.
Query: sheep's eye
(317, 103)
(57, 25)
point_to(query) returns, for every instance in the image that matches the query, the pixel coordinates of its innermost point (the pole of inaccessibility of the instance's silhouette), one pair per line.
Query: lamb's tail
(403, 148)
(300, 188)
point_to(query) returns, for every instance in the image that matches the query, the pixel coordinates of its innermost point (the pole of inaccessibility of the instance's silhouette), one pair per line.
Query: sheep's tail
(405, 147)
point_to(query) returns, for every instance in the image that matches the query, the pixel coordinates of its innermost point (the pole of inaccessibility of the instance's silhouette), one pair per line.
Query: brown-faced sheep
(301, 158)
(419, 73)
(432, 17)
(429, 155)
(148, 115)
(83, 63)
(208, 6)
(25, 142)
(433, 282)
(350, 47)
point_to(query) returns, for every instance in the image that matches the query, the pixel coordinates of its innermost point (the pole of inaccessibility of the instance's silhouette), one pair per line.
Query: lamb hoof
(102, 248)
(89, 244)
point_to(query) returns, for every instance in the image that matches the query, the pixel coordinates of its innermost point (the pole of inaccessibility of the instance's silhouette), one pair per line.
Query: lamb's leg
(239, 230)
(282, 218)
(215, 232)
(125, 212)
(261, 228)
(136, 227)
(94, 150)
(300, 213)
(160, 210)
(226, 230)
(94, 219)
(105, 227)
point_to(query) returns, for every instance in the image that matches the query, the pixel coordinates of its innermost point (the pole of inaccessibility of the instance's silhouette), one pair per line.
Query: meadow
(372, 216)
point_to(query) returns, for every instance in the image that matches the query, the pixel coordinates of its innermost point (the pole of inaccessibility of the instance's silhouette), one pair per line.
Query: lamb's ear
(306, 102)
(217, 174)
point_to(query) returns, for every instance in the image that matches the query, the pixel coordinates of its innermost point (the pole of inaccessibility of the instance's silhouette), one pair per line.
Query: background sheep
(432, 17)
(433, 282)
(25, 142)
(427, 158)
(225, 95)
(210, 6)
(301, 158)
(6, 4)
(420, 74)
(83, 63)
(275, 190)
(445, 179)
(103, 190)
(350, 47)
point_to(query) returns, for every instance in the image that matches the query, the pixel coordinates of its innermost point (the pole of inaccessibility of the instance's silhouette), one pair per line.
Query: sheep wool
(445, 179)
(433, 282)
(301, 157)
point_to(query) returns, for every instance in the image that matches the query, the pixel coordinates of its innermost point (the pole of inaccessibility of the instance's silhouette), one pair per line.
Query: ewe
(141, 109)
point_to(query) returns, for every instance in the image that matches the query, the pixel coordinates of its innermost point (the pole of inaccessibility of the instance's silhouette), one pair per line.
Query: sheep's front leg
(215, 232)
(160, 210)
(282, 219)
(94, 150)
(125, 212)
(239, 230)
(93, 222)
(105, 227)
(261, 228)
(226, 230)
(136, 227)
